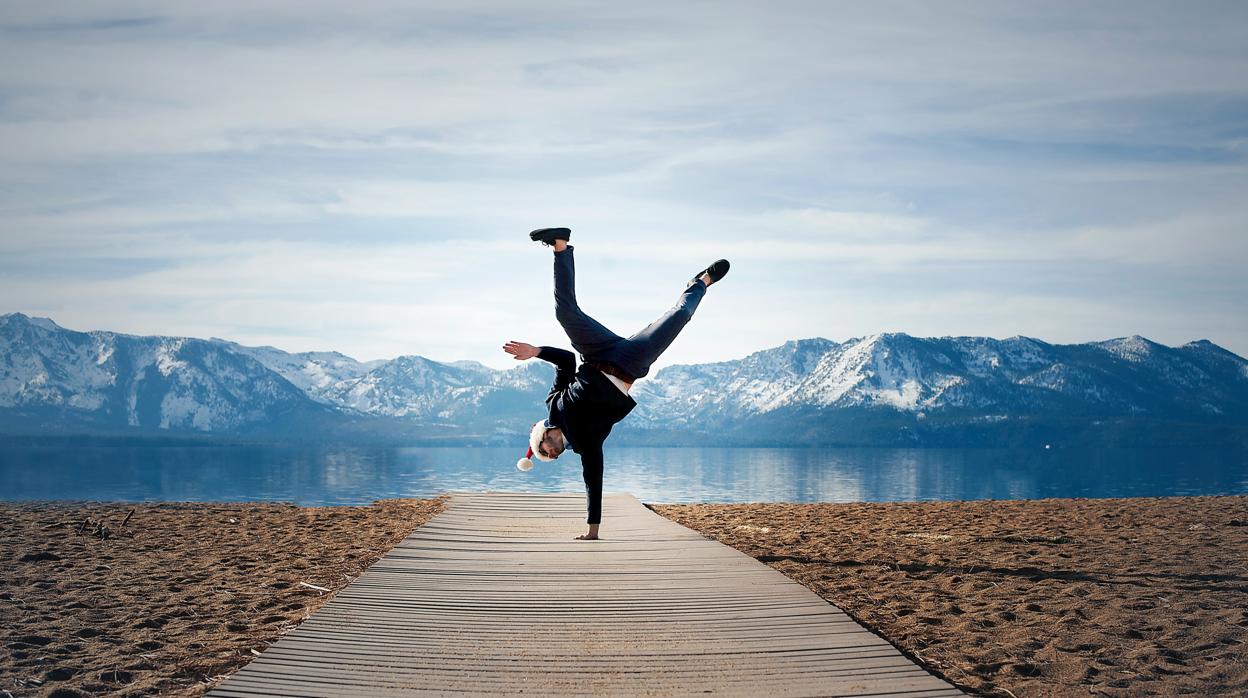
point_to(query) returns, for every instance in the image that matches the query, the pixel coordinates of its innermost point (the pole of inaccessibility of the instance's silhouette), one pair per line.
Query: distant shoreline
(1048, 596)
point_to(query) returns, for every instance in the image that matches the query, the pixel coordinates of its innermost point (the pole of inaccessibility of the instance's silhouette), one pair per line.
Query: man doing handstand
(586, 402)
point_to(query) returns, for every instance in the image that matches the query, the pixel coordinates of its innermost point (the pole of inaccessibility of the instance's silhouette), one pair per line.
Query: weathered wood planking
(492, 596)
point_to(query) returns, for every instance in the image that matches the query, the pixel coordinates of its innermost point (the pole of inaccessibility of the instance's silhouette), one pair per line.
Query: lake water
(660, 475)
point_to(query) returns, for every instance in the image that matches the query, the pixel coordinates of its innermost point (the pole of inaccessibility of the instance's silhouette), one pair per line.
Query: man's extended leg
(637, 353)
(589, 337)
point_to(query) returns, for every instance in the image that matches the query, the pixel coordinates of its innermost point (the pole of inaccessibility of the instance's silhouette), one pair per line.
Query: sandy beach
(1006, 598)
(176, 597)
(1058, 597)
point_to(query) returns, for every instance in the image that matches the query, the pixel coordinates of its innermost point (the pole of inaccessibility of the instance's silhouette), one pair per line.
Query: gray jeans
(595, 342)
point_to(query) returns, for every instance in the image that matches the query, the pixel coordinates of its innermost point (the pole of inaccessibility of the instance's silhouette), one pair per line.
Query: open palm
(520, 350)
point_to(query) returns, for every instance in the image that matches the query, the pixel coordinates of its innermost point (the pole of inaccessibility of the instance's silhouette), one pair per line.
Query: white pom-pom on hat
(525, 463)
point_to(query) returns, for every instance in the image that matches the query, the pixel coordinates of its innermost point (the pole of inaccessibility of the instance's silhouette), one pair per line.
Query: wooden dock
(492, 596)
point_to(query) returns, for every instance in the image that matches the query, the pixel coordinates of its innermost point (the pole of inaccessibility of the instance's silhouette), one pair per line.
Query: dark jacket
(585, 404)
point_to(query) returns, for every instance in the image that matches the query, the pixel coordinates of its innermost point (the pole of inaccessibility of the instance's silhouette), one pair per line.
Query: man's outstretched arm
(565, 368)
(564, 361)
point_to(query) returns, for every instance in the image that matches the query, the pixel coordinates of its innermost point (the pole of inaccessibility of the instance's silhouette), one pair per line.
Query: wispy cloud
(312, 177)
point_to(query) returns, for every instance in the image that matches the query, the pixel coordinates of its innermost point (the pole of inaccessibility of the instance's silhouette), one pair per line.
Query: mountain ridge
(886, 388)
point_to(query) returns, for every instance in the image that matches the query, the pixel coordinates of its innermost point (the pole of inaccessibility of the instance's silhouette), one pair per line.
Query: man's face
(552, 443)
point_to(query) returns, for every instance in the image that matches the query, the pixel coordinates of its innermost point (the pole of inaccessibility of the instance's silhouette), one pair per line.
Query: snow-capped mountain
(419, 388)
(317, 373)
(411, 387)
(886, 388)
(955, 376)
(54, 375)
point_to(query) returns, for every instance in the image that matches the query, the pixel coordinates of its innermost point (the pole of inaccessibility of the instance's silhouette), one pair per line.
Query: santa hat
(535, 437)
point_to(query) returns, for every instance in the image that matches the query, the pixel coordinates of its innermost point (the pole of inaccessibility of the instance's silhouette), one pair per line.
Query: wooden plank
(493, 597)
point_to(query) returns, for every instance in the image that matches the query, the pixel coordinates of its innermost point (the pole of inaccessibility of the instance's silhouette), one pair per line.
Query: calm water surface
(359, 476)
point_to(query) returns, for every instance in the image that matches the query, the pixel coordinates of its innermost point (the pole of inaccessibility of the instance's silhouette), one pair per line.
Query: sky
(361, 177)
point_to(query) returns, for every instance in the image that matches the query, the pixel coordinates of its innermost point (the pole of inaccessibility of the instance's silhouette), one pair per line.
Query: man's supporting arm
(591, 468)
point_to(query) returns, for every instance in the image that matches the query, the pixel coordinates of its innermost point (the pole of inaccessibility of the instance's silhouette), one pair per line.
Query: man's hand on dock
(592, 535)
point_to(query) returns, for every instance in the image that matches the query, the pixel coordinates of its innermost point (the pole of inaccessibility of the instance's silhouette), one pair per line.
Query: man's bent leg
(589, 337)
(637, 353)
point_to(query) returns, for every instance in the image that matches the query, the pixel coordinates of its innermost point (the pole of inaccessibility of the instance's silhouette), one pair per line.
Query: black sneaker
(547, 236)
(716, 271)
